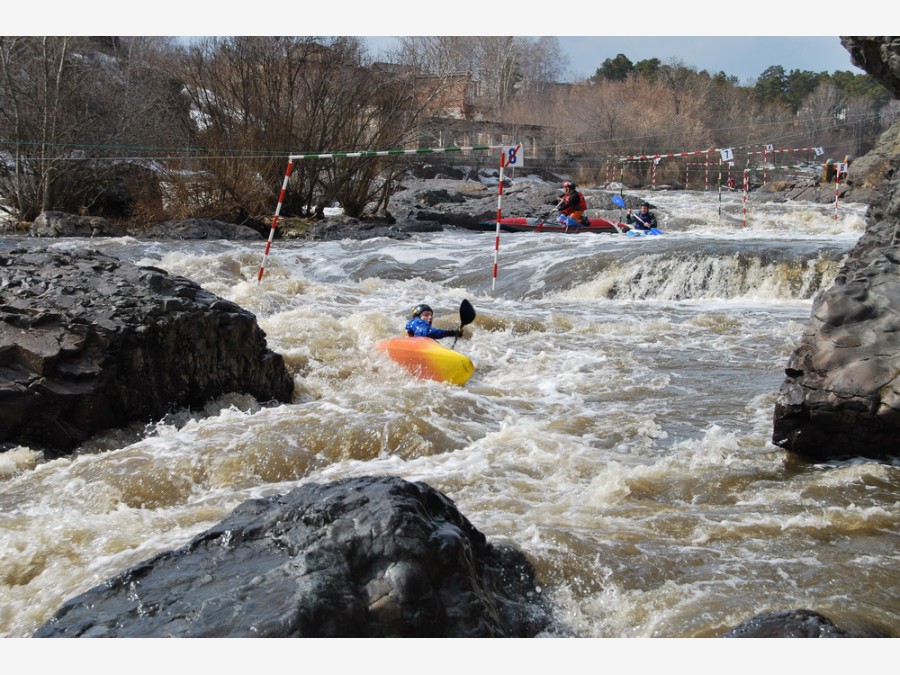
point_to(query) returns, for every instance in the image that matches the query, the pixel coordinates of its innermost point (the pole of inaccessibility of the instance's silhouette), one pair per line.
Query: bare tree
(541, 61)
(438, 55)
(819, 109)
(74, 110)
(502, 66)
(265, 98)
(36, 89)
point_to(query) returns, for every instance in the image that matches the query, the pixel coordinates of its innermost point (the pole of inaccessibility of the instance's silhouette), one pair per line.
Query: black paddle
(466, 316)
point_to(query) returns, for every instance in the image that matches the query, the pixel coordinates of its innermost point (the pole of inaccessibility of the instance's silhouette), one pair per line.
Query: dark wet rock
(59, 224)
(199, 228)
(89, 342)
(360, 557)
(797, 623)
(841, 395)
(345, 227)
(442, 196)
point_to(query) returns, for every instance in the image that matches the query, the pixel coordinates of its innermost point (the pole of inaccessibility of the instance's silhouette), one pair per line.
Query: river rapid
(617, 428)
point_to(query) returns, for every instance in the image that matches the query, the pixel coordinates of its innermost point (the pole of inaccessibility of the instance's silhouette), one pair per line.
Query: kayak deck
(427, 359)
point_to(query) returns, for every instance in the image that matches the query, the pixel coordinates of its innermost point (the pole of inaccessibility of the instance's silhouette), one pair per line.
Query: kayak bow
(427, 359)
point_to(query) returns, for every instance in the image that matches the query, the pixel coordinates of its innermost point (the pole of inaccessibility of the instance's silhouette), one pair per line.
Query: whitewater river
(617, 427)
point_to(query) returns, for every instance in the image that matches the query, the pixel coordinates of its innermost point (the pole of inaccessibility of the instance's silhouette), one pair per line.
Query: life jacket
(578, 208)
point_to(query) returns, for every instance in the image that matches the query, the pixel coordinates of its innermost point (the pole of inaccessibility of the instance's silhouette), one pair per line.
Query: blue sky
(744, 57)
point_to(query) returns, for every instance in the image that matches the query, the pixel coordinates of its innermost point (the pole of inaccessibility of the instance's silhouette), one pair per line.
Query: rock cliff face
(88, 342)
(878, 55)
(841, 397)
(362, 557)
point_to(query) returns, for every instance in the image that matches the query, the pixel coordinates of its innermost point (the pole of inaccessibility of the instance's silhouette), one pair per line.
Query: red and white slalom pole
(744, 198)
(509, 156)
(287, 175)
(499, 216)
(720, 187)
(706, 178)
(837, 186)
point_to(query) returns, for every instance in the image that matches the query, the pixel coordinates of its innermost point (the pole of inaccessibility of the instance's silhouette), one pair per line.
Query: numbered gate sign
(770, 148)
(514, 156)
(819, 151)
(727, 154)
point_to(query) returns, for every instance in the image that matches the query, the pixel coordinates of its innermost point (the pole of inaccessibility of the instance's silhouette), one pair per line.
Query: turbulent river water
(617, 428)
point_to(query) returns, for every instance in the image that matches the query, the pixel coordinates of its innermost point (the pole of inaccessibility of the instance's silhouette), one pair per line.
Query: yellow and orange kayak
(426, 358)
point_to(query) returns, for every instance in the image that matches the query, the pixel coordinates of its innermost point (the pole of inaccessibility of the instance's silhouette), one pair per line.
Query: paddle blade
(466, 313)
(618, 201)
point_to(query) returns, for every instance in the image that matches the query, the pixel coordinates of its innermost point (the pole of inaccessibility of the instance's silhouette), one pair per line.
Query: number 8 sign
(514, 156)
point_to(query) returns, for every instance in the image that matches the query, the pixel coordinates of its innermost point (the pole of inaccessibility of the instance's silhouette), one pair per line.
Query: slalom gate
(726, 158)
(513, 156)
(372, 153)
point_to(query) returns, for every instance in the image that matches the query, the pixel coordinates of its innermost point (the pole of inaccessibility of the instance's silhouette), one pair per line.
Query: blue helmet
(418, 309)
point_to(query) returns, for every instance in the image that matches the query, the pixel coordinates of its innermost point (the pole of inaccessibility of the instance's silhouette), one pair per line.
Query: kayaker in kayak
(643, 220)
(571, 206)
(420, 325)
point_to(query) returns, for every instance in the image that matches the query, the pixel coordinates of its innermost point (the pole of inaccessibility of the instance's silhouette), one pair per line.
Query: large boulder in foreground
(361, 557)
(89, 342)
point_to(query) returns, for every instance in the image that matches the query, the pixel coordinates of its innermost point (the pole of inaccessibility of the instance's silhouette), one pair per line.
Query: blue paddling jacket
(418, 327)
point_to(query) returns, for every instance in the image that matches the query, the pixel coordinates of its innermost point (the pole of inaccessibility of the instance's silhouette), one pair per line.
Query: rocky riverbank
(428, 200)
(841, 396)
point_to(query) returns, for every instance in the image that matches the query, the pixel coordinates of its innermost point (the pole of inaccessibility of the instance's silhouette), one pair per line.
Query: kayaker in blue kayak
(643, 220)
(420, 325)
